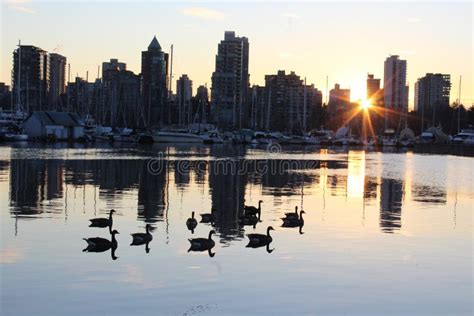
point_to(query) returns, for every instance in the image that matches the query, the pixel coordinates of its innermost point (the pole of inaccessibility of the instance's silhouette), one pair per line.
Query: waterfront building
(432, 97)
(374, 92)
(79, 95)
(5, 99)
(154, 84)
(57, 78)
(287, 105)
(184, 94)
(201, 104)
(338, 106)
(375, 96)
(60, 125)
(395, 91)
(230, 82)
(113, 65)
(258, 107)
(120, 106)
(30, 78)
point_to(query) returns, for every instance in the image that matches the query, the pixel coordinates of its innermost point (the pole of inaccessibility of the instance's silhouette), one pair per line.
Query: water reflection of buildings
(33, 182)
(391, 194)
(227, 188)
(152, 193)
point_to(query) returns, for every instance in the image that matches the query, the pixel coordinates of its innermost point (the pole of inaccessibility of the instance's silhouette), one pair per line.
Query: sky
(340, 40)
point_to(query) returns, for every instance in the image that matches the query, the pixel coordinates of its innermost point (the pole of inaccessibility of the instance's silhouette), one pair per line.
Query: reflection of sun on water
(355, 173)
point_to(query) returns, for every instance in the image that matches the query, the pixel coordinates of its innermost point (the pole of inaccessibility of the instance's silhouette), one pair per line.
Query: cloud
(20, 6)
(203, 13)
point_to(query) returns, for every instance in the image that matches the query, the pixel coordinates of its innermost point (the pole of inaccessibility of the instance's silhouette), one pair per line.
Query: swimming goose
(202, 244)
(292, 214)
(208, 217)
(252, 210)
(102, 222)
(294, 222)
(191, 223)
(258, 240)
(142, 238)
(98, 244)
(250, 220)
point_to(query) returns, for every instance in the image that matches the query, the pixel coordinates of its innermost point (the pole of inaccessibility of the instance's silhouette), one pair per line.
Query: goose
(252, 210)
(98, 244)
(202, 244)
(292, 214)
(258, 240)
(142, 238)
(102, 222)
(208, 217)
(294, 222)
(191, 223)
(251, 220)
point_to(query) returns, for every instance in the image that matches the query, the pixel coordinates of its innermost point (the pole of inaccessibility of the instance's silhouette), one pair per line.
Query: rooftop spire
(154, 44)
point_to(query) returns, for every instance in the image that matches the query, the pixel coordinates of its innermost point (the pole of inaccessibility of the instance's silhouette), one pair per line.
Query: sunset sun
(365, 104)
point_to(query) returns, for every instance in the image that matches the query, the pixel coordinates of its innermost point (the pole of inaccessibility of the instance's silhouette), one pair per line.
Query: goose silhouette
(252, 210)
(249, 220)
(208, 217)
(98, 244)
(142, 238)
(103, 222)
(294, 222)
(202, 244)
(260, 240)
(191, 223)
(292, 214)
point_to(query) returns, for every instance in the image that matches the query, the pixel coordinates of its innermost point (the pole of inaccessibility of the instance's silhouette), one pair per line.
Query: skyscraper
(121, 96)
(201, 101)
(373, 88)
(184, 93)
(375, 97)
(112, 66)
(288, 104)
(338, 106)
(432, 96)
(57, 79)
(5, 100)
(154, 84)
(230, 82)
(395, 90)
(31, 82)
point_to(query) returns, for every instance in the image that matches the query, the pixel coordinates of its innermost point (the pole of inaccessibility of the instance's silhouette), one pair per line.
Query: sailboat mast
(304, 107)
(86, 110)
(459, 106)
(19, 77)
(68, 84)
(171, 84)
(268, 108)
(291, 110)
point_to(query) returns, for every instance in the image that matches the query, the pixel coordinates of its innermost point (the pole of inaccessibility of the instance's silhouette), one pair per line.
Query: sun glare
(365, 104)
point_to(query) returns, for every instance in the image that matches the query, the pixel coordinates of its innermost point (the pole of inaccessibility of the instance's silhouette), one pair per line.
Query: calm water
(384, 233)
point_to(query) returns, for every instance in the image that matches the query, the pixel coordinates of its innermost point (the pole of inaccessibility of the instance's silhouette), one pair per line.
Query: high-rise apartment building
(230, 82)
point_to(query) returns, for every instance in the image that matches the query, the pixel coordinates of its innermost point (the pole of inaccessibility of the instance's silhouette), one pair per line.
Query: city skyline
(292, 25)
